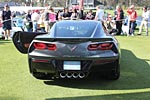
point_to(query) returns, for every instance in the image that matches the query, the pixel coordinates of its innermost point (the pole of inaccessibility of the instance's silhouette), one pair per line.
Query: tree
(63, 2)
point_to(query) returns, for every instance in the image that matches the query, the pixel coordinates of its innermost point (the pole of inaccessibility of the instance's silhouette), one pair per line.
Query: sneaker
(9, 38)
(132, 35)
(128, 35)
(6, 38)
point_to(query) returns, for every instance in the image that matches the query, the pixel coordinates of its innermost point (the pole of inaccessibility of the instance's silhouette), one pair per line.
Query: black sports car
(72, 49)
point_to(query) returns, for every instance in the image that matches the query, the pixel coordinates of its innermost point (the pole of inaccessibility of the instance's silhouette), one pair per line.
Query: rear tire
(114, 74)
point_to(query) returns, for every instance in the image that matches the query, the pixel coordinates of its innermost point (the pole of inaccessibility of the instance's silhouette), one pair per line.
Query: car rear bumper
(55, 65)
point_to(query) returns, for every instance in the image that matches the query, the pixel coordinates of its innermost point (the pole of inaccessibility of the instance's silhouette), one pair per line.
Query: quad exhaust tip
(75, 75)
(81, 75)
(69, 75)
(62, 75)
(72, 75)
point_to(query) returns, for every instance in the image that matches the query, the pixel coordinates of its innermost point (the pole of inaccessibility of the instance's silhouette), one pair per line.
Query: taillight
(39, 46)
(42, 46)
(102, 46)
(106, 46)
(51, 46)
(44, 61)
(93, 46)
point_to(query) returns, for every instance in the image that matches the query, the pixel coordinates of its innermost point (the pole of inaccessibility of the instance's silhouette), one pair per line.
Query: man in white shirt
(35, 18)
(144, 22)
(99, 14)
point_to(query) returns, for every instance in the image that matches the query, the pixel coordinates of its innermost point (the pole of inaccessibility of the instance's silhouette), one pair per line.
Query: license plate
(72, 65)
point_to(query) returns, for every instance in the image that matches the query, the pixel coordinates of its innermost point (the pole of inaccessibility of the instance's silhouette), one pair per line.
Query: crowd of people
(45, 19)
(130, 21)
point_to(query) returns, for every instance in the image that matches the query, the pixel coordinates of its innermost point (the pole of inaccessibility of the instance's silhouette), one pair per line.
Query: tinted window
(75, 29)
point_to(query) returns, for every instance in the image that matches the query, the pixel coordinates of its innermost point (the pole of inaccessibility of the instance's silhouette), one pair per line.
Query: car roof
(76, 28)
(79, 21)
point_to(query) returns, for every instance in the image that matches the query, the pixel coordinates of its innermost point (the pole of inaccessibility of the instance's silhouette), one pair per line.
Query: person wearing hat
(132, 15)
(6, 20)
(144, 22)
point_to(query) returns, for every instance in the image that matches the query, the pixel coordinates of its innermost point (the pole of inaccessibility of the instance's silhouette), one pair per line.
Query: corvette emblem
(72, 48)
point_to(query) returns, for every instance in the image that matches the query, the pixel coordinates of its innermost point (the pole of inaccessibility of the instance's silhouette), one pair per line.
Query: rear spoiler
(75, 39)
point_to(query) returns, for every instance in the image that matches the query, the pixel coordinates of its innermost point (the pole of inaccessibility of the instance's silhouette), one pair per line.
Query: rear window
(75, 29)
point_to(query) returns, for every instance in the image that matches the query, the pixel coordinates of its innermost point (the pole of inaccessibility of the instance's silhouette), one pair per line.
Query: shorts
(46, 23)
(7, 25)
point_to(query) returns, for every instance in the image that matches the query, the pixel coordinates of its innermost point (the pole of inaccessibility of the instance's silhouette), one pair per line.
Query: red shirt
(132, 14)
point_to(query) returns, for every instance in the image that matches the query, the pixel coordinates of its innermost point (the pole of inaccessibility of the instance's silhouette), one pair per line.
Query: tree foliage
(107, 2)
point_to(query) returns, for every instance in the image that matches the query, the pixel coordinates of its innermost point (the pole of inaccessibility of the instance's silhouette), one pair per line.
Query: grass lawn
(16, 83)
(139, 12)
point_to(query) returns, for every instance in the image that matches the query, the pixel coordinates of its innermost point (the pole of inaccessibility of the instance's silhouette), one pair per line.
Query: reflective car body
(72, 49)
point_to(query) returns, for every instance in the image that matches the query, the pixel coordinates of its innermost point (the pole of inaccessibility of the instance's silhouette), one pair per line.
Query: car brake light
(93, 46)
(42, 46)
(39, 46)
(51, 46)
(106, 46)
(103, 46)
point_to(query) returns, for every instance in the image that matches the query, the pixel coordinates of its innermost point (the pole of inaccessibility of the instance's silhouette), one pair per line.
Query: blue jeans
(29, 29)
(35, 26)
(132, 27)
(43, 29)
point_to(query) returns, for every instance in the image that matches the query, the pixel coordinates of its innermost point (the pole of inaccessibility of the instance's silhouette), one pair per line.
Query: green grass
(16, 83)
(139, 12)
